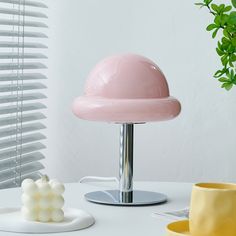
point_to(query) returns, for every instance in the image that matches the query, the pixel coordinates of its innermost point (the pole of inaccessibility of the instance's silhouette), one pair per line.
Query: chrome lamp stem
(126, 163)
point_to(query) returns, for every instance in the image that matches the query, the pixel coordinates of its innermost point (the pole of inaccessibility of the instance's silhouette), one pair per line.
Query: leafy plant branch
(225, 22)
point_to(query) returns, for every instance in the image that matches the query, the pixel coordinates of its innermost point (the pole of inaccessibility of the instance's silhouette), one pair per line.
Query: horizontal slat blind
(26, 3)
(26, 34)
(25, 159)
(25, 107)
(9, 120)
(28, 76)
(25, 139)
(25, 55)
(14, 98)
(8, 183)
(21, 45)
(23, 49)
(22, 66)
(23, 129)
(23, 23)
(11, 152)
(26, 13)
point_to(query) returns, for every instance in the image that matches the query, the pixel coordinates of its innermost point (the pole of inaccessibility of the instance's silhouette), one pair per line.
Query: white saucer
(75, 219)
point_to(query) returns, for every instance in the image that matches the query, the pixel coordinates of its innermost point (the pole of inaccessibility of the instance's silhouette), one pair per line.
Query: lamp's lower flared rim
(178, 228)
(126, 110)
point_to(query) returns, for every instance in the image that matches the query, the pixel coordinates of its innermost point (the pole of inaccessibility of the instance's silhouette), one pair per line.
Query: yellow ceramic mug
(213, 210)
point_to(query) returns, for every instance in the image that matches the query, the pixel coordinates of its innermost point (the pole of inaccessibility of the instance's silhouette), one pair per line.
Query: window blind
(23, 44)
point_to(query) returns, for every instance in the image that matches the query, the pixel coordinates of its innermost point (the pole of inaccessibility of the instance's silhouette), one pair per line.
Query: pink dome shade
(126, 89)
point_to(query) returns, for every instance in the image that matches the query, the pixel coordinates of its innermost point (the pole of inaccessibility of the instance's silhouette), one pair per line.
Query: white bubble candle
(42, 200)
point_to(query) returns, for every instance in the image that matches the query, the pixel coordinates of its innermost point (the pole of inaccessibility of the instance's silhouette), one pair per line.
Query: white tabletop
(113, 220)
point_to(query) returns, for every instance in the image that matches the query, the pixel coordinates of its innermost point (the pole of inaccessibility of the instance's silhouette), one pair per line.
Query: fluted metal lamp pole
(127, 90)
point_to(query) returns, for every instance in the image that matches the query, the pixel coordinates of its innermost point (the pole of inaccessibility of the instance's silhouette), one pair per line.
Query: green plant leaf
(223, 79)
(215, 33)
(224, 60)
(211, 27)
(221, 7)
(234, 80)
(224, 19)
(227, 86)
(232, 18)
(219, 52)
(233, 40)
(233, 3)
(225, 44)
(225, 40)
(227, 8)
(218, 74)
(207, 1)
(231, 76)
(200, 4)
(215, 7)
(219, 45)
(217, 20)
(226, 33)
(233, 57)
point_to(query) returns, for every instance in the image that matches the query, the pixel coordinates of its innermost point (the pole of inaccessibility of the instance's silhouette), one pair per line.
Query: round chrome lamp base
(138, 198)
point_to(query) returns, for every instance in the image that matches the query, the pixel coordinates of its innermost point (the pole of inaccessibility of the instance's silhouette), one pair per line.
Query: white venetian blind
(23, 45)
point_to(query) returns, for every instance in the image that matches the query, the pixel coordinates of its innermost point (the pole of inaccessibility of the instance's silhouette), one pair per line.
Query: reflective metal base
(112, 197)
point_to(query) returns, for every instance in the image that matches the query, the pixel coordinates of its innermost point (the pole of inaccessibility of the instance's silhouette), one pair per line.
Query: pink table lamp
(126, 89)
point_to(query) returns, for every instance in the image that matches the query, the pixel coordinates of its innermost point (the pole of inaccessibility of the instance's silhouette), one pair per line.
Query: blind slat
(23, 87)
(28, 158)
(4, 132)
(11, 182)
(12, 33)
(16, 66)
(25, 97)
(25, 118)
(26, 13)
(9, 153)
(20, 45)
(26, 2)
(30, 138)
(26, 23)
(25, 76)
(25, 107)
(24, 55)
(25, 169)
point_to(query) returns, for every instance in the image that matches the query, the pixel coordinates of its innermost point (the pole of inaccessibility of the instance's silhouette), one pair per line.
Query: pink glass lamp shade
(126, 89)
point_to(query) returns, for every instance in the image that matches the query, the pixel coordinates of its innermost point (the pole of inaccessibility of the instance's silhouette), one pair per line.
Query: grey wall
(198, 145)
